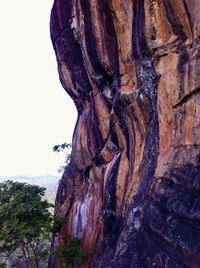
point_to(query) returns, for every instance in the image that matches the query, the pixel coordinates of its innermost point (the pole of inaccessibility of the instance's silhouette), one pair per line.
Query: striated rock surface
(132, 68)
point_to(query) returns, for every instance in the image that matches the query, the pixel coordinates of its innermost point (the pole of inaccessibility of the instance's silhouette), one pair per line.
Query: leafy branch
(70, 252)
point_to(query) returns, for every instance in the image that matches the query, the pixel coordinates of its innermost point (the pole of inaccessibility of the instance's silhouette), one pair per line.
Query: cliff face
(132, 68)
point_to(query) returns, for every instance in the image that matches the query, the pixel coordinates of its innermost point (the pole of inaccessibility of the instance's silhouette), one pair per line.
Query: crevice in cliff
(173, 19)
(91, 48)
(146, 87)
(109, 202)
(60, 34)
(186, 98)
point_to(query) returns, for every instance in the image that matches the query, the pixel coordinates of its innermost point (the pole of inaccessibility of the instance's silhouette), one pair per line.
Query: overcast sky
(35, 111)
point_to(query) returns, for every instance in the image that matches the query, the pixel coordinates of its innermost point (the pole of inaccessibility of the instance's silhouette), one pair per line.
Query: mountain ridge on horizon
(39, 179)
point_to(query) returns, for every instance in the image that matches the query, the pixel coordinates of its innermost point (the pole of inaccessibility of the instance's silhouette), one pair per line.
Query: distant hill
(48, 181)
(39, 180)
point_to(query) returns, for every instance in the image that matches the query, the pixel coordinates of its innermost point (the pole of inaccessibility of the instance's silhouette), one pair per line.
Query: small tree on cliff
(66, 149)
(25, 222)
(70, 252)
(70, 156)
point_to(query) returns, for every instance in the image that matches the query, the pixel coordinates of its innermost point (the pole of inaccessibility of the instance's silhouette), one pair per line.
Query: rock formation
(132, 68)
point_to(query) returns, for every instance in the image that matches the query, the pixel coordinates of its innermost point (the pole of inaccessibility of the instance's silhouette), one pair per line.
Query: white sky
(35, 111)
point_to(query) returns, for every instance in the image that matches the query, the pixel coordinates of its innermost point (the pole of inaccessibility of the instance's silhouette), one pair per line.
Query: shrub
(57, 224)
(70, 252)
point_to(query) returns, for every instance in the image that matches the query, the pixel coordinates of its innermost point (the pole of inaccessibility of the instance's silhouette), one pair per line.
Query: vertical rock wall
(132, 68)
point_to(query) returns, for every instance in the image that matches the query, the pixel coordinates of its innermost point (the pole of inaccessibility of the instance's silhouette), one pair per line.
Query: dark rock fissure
(187, 97)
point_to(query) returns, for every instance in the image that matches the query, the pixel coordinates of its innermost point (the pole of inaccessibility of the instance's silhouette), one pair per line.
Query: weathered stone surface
(132, 68)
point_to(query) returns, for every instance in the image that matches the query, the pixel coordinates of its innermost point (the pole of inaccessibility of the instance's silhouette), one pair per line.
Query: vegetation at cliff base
(57, 224)
(69, 252)
(27, 226)
(25, 223)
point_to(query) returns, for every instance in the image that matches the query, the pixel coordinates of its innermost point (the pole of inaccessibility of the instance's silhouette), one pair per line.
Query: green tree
(70, 252)
(71, 156)
(25, 223)
(66, 149)
(58, 222)
(62, 147)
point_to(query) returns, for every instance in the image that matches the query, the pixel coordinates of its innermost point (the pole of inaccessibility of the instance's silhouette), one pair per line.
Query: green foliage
(57, 224)
(62, 147)
(70, 252)
(66, 149)
(71, 156)
(25, 221)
